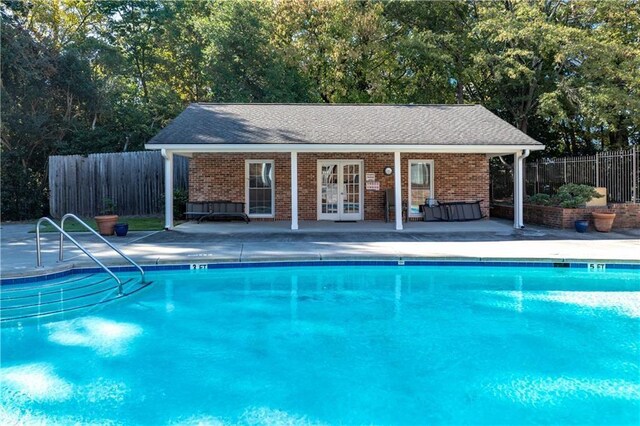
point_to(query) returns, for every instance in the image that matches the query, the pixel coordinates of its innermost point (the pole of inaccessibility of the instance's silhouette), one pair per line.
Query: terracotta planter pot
(106, 223)
(603, 221)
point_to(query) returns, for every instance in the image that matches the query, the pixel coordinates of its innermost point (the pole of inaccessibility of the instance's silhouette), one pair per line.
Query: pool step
(44, 294)
(12, 290)
(63, 297)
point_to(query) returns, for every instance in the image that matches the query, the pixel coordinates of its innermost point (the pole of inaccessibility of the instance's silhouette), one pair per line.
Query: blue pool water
(339, 345)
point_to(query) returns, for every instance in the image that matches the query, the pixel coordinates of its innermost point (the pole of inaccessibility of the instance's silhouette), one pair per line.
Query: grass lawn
(135, 224)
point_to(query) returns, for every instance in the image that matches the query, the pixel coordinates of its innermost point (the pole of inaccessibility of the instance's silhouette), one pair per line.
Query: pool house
(339, 162)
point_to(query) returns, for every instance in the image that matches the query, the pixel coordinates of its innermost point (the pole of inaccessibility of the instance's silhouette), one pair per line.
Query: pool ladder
(63, 234)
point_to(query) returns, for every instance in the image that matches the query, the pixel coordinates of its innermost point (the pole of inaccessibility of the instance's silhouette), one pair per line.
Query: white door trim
(340, 215)
(431, 179)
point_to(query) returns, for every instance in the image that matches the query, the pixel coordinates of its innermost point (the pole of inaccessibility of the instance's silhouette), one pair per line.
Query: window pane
(350, 176)
(260, 188)
(329, 190)
(420, 185)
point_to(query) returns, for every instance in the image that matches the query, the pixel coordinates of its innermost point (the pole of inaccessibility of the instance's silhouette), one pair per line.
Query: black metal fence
(618, 171)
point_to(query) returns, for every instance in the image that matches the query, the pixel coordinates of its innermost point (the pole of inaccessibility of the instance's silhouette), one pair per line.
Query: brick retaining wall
(627, 215)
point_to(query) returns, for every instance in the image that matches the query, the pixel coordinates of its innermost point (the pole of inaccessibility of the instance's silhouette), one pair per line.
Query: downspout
(521, 158)
(168, 189)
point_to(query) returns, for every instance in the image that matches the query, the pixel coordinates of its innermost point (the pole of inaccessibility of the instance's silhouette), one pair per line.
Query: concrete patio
(324, 227)
(261, 241)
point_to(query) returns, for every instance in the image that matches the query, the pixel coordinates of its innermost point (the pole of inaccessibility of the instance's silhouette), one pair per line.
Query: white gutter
(168, 189)
(522, 189)
(518, 188)
(470, 149)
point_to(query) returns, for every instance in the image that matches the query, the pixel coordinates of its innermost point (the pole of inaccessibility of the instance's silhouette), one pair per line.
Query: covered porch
(298, 195)
(494, 226)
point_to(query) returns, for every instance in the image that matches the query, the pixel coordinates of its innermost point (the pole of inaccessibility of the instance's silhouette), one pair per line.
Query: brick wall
(222, 177)
(457, 177)
(627, 215)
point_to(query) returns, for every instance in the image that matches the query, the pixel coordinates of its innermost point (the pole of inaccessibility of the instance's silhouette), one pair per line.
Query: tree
(43, 96)
(347, 50)
(83, 76)
(243, 64)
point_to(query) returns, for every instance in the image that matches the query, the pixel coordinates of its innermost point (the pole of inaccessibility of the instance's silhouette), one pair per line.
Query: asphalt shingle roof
(339, 124)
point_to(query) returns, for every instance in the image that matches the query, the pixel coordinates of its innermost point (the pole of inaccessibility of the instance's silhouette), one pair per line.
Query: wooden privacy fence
(133, 181)
(618, 171)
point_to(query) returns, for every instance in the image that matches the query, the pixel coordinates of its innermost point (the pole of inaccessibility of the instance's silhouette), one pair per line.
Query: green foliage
(23, 192)
(540, 199)
(573, 196)
(109, 207)
(180, 199)
(568, 196)
(85, 76)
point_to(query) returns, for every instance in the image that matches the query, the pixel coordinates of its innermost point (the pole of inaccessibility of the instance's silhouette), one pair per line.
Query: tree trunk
(459, 91)
(523, 124)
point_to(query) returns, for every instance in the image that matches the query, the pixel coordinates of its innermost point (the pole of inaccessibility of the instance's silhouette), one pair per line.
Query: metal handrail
(77, 244)
(81, 222)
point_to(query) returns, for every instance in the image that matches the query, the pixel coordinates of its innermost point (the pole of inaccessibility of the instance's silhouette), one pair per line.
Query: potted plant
(581, 225)
(107, 218)
(121, 229)
(603, 221)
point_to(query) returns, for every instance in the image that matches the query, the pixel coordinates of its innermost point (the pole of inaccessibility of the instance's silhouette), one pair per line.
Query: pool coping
(71, 269)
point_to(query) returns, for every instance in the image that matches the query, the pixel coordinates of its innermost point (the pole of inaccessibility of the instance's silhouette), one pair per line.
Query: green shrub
(180, 198)
(540, 199)
(568, 196)
(109, 207)
(574, 196)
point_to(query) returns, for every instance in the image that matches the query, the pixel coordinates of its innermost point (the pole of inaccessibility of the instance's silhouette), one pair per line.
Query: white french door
(340, 192)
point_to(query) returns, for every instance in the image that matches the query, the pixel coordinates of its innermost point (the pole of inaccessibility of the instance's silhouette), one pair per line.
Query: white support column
(515, 189)
(168, 189)
(397, 174)
(521, 176)
(294, 191)
(518, 190)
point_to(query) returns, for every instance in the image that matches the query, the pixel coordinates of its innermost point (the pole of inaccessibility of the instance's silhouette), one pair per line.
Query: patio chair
(390, 205)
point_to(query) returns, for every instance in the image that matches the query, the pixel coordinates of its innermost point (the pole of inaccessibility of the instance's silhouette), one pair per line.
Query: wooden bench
(216, 209)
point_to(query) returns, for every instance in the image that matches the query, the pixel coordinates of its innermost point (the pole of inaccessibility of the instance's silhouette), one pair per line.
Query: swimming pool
(339, 344)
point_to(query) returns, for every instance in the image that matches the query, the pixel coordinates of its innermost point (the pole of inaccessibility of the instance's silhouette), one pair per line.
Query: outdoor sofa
(457, 211)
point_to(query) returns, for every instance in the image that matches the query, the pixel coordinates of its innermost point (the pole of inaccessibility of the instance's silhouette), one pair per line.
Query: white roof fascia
(231, 148)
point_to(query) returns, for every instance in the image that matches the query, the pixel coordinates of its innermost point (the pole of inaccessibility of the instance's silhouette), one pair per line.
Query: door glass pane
(351, 188)
(420, 175)
(329, 188)
(261, 188)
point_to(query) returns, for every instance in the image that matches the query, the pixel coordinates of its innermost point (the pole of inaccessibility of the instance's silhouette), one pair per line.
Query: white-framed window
(420, 184)
(260, 192)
